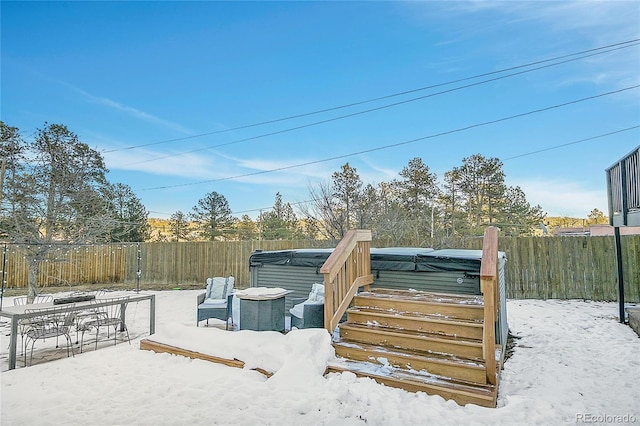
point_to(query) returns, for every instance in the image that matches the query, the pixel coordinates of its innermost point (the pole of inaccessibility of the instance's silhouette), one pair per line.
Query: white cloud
(208, 165)
(191, 166)
(563, 198)
(377, 173)
(131, 111)
(290, 176)
(601, 21)
(592, 23)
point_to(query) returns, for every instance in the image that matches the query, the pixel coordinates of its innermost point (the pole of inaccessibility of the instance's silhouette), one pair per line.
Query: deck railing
(347, 269)
(489, 288)
(623, 187)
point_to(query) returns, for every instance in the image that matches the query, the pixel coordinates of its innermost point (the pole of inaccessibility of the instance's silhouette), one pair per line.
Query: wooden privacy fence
(569, 267)
(66, 265)
(537, 267)
(159, 263)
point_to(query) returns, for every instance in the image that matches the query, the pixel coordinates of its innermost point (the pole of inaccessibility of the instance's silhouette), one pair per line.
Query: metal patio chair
(19, 300)
(104, 317)
(46, 323)
(23, 300)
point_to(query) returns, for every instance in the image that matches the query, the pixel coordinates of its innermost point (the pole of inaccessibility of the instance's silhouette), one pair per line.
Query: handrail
(489, 288)
(347, 269)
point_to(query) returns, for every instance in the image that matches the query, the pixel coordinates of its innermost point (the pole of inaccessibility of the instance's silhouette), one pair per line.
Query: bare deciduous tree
(323, 210)
(53, 194)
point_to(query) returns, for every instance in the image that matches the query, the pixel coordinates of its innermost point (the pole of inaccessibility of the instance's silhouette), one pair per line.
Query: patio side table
(262, 312)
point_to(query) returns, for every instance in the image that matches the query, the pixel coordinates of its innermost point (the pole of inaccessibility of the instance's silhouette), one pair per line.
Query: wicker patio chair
(309, 312)
(217, 301)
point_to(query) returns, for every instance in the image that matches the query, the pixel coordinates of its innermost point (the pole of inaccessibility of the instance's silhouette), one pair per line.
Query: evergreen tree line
(412, 210)
(55, 191)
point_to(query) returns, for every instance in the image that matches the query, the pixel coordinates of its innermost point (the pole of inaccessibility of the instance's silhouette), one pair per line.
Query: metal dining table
(17, 313)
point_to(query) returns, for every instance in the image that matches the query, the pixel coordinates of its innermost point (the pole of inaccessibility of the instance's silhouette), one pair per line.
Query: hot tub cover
(383, 259)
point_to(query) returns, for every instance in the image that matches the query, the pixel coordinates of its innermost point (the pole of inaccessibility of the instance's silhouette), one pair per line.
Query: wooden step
(416, 340)
(417, 322)
(463, 369)
(462, 393)
(445, 305)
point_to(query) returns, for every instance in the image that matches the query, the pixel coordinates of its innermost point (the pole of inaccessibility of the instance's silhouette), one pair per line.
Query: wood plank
(417, 322)
(489, 286)
(425, 296)
(467, 348)
(462, 311)
(344, 248)
(461, 394)
(150, 345)
(436, 364)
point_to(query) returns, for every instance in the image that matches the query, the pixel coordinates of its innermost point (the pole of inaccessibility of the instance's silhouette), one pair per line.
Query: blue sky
(126, 74)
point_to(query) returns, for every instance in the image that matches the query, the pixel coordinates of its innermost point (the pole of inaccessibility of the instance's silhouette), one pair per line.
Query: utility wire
(435, 135)
(502, 159)
(571, 143)
(271, 207)
(260, 209)
(291, 117)
(366, 111)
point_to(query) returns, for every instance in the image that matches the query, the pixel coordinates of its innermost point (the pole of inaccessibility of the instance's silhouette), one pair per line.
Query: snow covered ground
(573, 363)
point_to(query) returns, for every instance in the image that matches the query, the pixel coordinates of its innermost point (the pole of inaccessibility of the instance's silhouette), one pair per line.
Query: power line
(624, 44)
(260, 209)
(316, 123)
(460, 129)
(271, 207)
(571, 143)
(504, 159)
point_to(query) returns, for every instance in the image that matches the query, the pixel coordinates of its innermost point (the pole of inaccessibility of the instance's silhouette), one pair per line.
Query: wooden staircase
(441, 344)
(418, 341)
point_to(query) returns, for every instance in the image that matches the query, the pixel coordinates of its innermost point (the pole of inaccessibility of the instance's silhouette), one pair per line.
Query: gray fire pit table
(262, 308)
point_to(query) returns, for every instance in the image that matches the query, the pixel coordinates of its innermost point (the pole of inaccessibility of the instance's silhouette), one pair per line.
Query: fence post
(3, 275)
(138, 271)
(616, 231)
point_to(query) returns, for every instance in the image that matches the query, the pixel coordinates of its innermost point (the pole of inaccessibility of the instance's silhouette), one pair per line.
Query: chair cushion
(317, 293)
(213, 303)
(316, 297)
(219, 287)
(297, 310)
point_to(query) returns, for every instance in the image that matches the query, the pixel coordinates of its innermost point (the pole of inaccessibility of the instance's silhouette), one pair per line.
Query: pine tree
(345, 190)
(130, 214)
(212, 216)
(179, 226)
